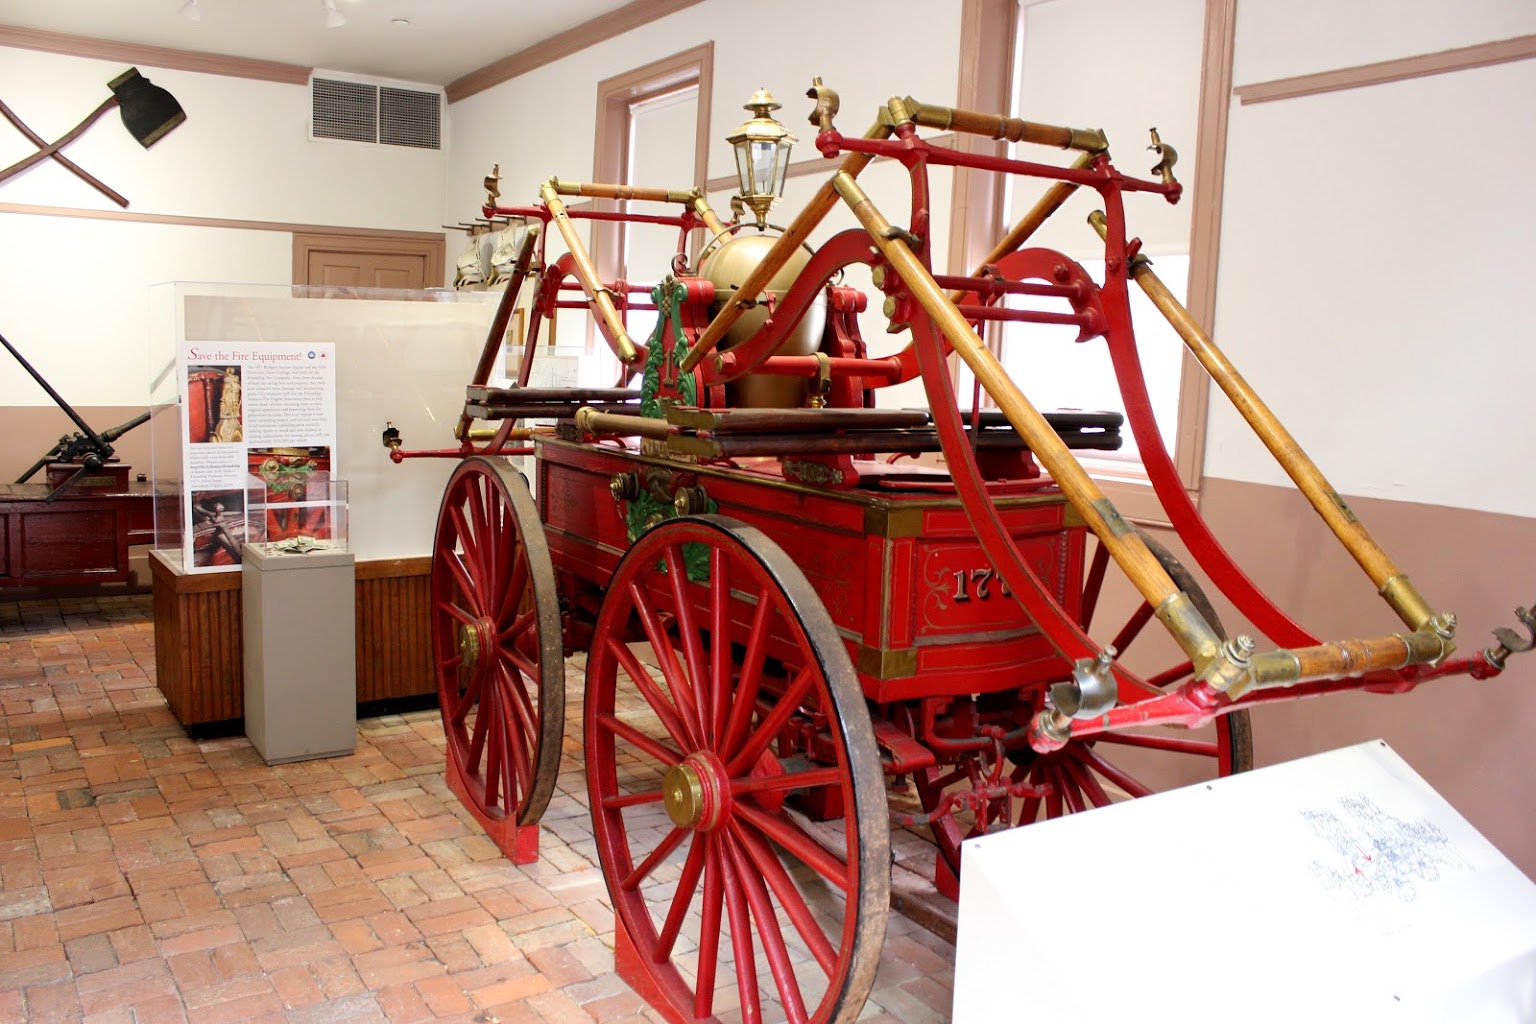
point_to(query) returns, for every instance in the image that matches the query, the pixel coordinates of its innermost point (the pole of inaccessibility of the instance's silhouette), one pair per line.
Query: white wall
(1374, 258)
(543, 123)
(72, 291)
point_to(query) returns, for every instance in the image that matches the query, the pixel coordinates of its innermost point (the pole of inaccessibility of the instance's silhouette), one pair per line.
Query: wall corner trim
(572, 40)
(1501, 51)
(153, 56)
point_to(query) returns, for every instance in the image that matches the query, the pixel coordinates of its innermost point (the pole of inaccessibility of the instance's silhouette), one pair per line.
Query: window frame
(610, 152)
(989, 35)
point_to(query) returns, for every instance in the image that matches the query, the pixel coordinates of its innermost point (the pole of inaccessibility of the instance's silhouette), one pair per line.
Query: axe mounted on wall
(148, 111)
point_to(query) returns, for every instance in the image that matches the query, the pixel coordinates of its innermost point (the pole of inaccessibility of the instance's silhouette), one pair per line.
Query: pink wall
(1471, 740)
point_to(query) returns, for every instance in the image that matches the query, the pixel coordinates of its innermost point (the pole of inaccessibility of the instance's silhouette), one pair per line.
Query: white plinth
(300, 654)
(1338, 887)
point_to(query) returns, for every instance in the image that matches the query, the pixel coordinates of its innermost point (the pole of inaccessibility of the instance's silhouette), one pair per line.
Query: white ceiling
(445, 38)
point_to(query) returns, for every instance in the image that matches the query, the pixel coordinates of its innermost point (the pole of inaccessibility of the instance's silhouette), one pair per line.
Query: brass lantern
(762, 155)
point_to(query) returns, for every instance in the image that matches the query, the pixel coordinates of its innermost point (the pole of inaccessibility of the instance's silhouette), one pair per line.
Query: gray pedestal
(300, 657)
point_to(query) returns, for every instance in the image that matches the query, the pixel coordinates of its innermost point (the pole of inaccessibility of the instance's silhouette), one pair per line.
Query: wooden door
(411, 260)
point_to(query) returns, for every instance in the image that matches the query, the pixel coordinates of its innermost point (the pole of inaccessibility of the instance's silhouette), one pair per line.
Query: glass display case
(293, 508)
(279, 382)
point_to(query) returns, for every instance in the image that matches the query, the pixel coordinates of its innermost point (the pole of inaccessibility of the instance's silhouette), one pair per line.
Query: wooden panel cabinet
(199, 653)
(81, 538)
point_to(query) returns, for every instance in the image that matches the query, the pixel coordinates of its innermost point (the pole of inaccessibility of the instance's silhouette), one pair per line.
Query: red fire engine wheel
(1095, 772)
(712, 866)
(496, 647)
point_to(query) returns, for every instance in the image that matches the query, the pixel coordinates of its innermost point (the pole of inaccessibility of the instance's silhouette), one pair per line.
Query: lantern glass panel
(764, 156)
(743, 169)
(780, 169)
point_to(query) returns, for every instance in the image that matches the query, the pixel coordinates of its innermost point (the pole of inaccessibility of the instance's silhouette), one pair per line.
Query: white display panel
(401, 358)
(1338, 887)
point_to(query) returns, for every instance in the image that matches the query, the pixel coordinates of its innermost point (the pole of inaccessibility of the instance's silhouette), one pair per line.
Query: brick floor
(146, 877)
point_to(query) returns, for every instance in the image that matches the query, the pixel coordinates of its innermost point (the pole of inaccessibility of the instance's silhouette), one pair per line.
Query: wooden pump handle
(1393, 585)
(996, 126)
(597, 293)
(599, 190)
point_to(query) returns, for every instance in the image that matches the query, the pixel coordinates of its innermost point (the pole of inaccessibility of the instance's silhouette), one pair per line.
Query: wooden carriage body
(912, 594)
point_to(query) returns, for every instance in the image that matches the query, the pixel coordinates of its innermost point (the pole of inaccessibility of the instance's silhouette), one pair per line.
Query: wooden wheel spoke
(475, 513)
(1029, 807)
(1132, 629)
(657, 700)
(494, 750)
(719, 644)
(527, 674)
(1172, 744)
(789, 898)
(1052, 778)
(772, 936)
(519, 626)
(671, 671)
(621, 801)
(467, 540)
(1071, 792)
(658, 750)
(688, 634)
(1169, 676)
(682, 898)
(745, 697)
(516, 587)
(460, 573)
(466, 700)
(1092, 759)
(798, 843)
(1087, 783)
(453, 611)
(709, 928)
(772, 722)
(1093, 585)
(787, 782)
(519, 726)
(663, 850)
(477, 739)
(741, 938)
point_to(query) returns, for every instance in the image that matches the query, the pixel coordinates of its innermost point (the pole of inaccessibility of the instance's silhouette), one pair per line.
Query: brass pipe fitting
(590, 421)
(1189, 629)
(1406, 601)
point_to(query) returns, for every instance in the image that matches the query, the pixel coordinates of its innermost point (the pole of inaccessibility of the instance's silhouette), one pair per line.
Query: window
(641, 117)
(1123, 68)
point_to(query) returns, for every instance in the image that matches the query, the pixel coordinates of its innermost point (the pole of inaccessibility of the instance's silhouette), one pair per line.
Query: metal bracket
(1511, 642)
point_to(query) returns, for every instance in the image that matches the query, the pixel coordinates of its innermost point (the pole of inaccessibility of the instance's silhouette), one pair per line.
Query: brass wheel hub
(695, 793)
(473, 641)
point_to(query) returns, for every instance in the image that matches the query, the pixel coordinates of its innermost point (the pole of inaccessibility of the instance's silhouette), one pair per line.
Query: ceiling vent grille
(409, 117)
(350, 110)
